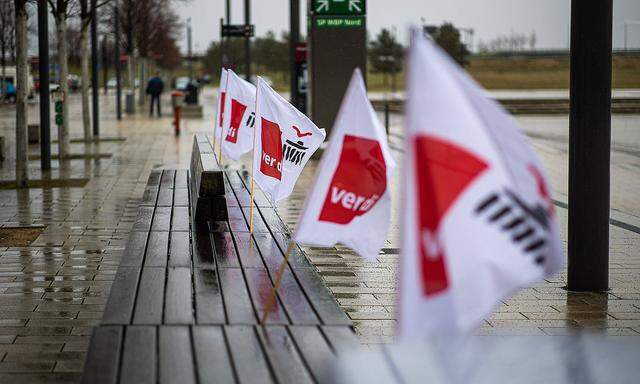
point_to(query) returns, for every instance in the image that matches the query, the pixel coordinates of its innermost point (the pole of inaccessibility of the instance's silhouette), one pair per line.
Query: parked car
(10, 77)
(74, 82)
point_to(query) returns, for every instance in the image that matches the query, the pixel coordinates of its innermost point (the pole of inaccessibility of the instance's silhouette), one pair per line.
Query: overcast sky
(488, 18)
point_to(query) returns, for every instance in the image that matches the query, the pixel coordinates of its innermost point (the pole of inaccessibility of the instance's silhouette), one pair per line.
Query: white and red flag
(238, 122)
(478, 219)
(350, 202)
(222, 93)
(285, 139)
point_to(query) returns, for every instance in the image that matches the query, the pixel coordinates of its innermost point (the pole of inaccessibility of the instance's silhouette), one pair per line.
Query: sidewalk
(53, 292)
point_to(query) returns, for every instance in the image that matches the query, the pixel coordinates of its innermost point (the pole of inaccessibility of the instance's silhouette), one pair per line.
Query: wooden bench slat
(259, 226)
(167, 178)
(231, 199)
(176, 361)
(181, 181)
(103, 357)
(143, 219)
(150, 297)
(119, 306)
(161, 219)
(157, 249)
(139, 358)
(224, 249)
(248, 252)
(150, 196)
(247, 355)
(260, 288)
(236, 297)
(178, 307)
(181, 197)
(212, 359)
(342, 339)
(208, 297)
(237, 222)
(322, 300)
(273, 221)
(315, 351)
(165, 197)
(135, 249)
(294, 301)
(180, 250)
(202, 251)
(154, 178)
(180, 221)
(288, 366)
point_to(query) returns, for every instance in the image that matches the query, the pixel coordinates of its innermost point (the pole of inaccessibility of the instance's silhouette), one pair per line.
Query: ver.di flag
(285, 139)
(350, 202)
(238, 122)
(478, 219)
(221, 102)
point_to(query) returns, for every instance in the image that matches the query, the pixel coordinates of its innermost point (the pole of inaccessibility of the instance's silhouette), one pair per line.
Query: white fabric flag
(285, 140)
(238, 122)
(478, 219)
(222, 90)
(350, 201)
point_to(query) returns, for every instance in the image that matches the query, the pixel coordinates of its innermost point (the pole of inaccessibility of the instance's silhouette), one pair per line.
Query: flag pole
(253, 154)
(272, 297)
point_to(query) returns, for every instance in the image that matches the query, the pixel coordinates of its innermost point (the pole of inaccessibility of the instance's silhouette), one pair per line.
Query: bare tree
(85, 21)
(7, 35)
(61, 11)
(22, 88)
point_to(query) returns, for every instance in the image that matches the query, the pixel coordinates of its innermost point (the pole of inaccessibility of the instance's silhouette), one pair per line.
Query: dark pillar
(45, 114)
(105, 64)
(589, 145)
(116, 50)
(337, 43)
(226, 44)
(247, 40)
(94, 68)
(294, 38)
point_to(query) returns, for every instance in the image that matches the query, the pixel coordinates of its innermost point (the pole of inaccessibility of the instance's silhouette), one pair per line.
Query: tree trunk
(22, 88)
(4, 70)
(84, 58)
(141, 89)
(63, 131)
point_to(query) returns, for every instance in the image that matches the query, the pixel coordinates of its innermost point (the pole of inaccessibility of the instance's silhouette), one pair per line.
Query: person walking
(155, 87)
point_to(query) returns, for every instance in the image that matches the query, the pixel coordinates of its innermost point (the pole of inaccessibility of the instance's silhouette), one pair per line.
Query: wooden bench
(187, 298)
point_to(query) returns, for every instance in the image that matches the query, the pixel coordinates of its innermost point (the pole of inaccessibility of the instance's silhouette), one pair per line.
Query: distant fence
(545, 53)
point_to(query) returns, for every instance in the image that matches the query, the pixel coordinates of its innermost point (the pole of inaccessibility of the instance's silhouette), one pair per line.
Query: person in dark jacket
(155, 87)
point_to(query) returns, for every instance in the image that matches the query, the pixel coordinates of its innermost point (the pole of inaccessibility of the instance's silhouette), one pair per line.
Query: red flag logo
(359, 181)
(271, 158)
(237, 112)
(443, 171)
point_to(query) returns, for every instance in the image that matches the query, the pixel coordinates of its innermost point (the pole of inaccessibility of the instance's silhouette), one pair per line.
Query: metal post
(589, 145)
(94, 68)
(386, 116)
(45, 106)
(222, 47)
(105, 63)
(116, 50)
(190, 52)
(247, 40)
(294, 38)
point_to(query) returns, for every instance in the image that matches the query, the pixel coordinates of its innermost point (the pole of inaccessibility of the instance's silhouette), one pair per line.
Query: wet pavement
(53, 292)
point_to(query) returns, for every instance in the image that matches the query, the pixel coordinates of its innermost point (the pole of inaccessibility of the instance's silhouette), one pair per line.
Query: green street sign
(58, 106)
(340, 22)
(58, 119)
(339, 7)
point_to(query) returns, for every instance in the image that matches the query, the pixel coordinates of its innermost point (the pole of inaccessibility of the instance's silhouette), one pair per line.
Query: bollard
(176, 101)
(386, 116)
